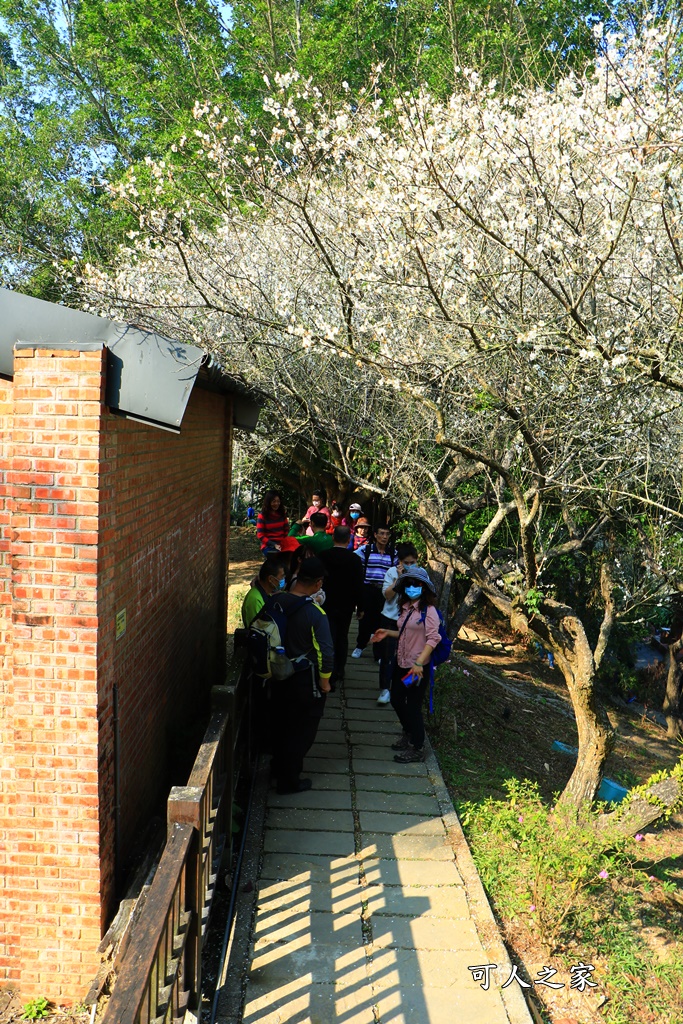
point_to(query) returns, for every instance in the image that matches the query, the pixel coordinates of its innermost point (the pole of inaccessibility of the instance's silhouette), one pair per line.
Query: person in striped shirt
(272, 525)
(377, 557)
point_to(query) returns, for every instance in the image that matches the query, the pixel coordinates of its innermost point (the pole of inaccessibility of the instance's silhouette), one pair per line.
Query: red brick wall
(162, 524)
(7, 937)
(50, 902)
(97, 514)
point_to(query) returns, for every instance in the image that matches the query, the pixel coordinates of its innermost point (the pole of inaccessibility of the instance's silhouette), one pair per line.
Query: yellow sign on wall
(120, 623)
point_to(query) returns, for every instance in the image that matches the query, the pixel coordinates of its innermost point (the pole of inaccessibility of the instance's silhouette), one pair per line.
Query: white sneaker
(384, 697)
(356, 652)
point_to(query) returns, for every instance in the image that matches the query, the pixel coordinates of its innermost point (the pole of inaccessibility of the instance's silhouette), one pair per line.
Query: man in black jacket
(298, 702)
(343, 590)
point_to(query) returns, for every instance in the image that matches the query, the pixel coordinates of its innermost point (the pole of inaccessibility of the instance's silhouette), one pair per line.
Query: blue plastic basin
(611, 791)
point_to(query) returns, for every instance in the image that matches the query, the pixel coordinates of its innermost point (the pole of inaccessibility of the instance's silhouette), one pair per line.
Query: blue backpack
(442, 651)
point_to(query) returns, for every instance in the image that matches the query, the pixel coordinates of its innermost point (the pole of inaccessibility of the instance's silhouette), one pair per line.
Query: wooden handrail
(151, 934)
(160, 973)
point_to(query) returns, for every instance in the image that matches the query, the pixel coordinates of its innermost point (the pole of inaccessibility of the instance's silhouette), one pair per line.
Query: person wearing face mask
(417, 636)
(318, 505)
(335, 518)
(272, 577)
(355, 514)
(407, 558)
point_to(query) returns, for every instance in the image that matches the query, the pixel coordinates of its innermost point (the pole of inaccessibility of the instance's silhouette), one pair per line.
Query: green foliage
(539, 861)
(533, 600)
(643, 792)
(583, 895)
(35, 1009)
(619, 677)
(418, 42)
(73, 122)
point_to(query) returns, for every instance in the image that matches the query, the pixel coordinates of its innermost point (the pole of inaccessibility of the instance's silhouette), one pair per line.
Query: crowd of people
(319, 572)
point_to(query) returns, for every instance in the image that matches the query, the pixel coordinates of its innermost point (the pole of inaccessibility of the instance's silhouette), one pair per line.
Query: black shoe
(409, 755)
(294, 787)
(402, 742)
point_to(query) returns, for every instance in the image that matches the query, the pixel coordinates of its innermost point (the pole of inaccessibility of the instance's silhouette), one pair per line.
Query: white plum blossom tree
(473, 309)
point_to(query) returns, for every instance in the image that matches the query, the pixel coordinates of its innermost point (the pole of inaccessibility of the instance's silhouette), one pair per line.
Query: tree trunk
(607, 588)
(465, 610)
(442, 578)
(561, 629)
(596, 740)
(639, 813)
(672, 697)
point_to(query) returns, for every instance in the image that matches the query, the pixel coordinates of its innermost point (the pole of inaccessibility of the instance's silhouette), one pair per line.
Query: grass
(561, 894)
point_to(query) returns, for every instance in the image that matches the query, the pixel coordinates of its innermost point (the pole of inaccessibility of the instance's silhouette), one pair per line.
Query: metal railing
(159, 976)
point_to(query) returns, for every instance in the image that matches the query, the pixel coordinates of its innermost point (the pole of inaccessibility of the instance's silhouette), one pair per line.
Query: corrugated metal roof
(149, 376)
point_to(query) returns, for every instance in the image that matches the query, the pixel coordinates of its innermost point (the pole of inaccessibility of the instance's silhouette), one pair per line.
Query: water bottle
(280, 665)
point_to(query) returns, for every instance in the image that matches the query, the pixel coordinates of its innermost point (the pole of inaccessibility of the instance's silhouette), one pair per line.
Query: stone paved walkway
(363, 912)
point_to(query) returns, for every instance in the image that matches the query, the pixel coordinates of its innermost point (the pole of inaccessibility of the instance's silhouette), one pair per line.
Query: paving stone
(322, 927)
(397, 824)
(348, 970)
(311, 819)
(323, 780)
(339, 898)
(404, 783)
(440, 1006)
(327, 799)
(411, 872)
(405, 847)
(320, 764)
(375, 766)
(448, 902)
(367, 704)
(380, 740)
(296, 868)
(404, 803)
(425, 933)
(308, 1003)
(281, 840)
(328, 748)
(379, 751)
(317, 927)
(380, 723)
(365, 714)
(335, 725)
(429, 968)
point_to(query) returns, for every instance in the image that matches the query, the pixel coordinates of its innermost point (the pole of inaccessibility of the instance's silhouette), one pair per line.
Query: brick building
(114, 515)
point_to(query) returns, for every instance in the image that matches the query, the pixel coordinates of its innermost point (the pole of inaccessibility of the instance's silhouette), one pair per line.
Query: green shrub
(36, 1008)
(581, 894)
(542, 868)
